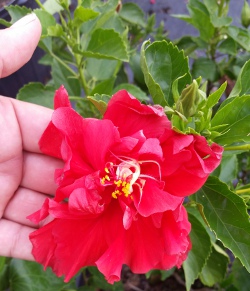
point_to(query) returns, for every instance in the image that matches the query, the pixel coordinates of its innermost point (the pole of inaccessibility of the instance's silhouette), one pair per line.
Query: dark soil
(135, 282)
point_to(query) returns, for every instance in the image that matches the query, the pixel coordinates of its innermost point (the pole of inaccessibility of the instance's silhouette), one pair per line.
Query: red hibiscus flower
(120, 193)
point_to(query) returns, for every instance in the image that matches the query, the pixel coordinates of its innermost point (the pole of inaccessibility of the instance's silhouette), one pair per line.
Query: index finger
(33, 120)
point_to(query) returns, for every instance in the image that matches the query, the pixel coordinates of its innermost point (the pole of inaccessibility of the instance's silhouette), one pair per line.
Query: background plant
(91, 46)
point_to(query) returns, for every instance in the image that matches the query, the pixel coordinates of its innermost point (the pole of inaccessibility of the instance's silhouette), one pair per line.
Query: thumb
(18, 43)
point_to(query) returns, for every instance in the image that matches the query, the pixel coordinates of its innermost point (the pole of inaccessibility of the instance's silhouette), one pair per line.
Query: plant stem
(81, 74)
(238, 148)
(40, 4)
(242, 191)
(78, 59)
(64, 65)
(75, 98)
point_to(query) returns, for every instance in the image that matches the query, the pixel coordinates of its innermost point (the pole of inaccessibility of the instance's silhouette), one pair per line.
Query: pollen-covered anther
(122, 188)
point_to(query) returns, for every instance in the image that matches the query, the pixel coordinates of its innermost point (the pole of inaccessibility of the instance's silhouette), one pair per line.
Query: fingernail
(24, 20)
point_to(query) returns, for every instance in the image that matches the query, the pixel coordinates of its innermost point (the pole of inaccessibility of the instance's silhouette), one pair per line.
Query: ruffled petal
(68, 245)
(186, 170)
(50, 141)
(130, 116)
(61, 98)
(151, 150)
(144, 246)
(152, 199)
(110, 263)
(86, 135)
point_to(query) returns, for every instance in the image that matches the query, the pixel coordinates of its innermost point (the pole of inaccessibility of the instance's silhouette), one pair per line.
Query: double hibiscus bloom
(120, 193)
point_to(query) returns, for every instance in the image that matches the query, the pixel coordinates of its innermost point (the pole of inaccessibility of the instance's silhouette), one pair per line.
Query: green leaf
(132, 13)
(216, 267)
(236, 115)
(82, 14)
(29, 276)
(220, 21)
(242, 85)
(214, 98)
(187, 44)
(198, 255)
(37, 93)
(134, 90)
(240, 276)
(56, 30)
(161, 64)
(227, 216)
(97, 279)
(211, 5)
(46, 20)
(63, 76)
(2, 263)
(183, 17)
(228, 46)
(206, 68)
(201, 19)
(4, 274)
(16, 12)
(4, 278)
(104, 87)
(159, 273)
(135, 65)
(100, 102)
(101, 69)
(52, 6)
(241, 36)
(106, 43)
(228, 169)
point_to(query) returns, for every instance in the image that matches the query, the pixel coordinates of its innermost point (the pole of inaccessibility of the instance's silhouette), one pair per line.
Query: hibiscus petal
(85, 202)
(144, 246)
(186, 170)
(50, 141)
(110, 263)
(130, 116)
(175, 231)
(151, 150)
(152, 199)
(86, 135)
(43, 245)
(61, 98)
(68, 245)
(41, 214)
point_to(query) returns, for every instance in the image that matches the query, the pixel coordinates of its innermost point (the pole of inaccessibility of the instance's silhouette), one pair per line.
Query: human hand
(26, 175)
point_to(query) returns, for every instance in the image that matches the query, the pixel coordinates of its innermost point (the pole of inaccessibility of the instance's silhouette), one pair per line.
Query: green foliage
(236, 117)
(91, 50)
(240, 278)
(227, 170)
(100, 102)
(242, 85)
(30, 276)
(161, 64)
(222, 43)
(215, 268)
(38, 94)
(227, 216)
(97, 279)
(201, 248)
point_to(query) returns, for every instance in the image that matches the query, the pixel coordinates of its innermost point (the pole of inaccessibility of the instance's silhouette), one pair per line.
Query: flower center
(123, 176)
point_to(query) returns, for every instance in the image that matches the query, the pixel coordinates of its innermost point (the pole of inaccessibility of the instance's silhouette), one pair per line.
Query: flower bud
(245, 14)
(189, 100)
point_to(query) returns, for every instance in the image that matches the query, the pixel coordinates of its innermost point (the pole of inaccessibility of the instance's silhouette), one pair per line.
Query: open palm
(26, 175)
